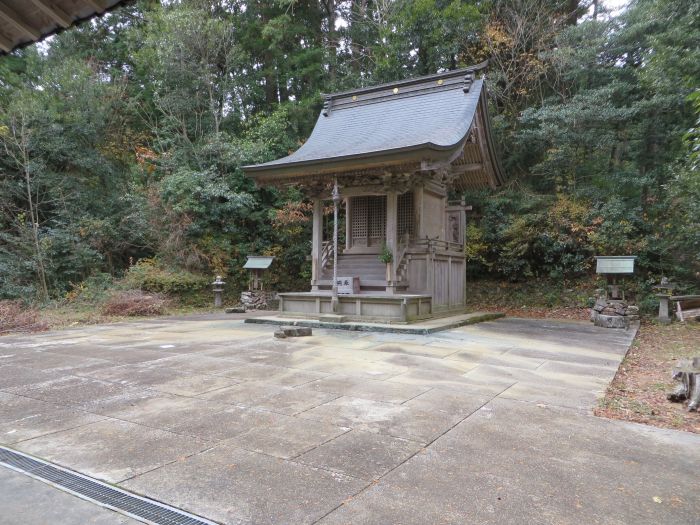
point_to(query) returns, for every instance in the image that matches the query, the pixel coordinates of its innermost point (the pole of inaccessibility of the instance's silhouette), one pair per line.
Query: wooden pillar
(391, 236)
(443, 230)
(419, 230)
(316, 244)
(348, 223)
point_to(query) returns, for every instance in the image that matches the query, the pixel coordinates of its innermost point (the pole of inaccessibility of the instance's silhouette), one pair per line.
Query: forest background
(122, 140)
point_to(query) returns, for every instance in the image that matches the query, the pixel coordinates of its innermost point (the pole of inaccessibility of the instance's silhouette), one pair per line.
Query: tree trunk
(331, 40)
(34, 215)
(573, 10)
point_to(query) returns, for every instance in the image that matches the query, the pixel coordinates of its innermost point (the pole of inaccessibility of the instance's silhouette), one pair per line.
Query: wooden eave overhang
(24, 22)
(352, 162)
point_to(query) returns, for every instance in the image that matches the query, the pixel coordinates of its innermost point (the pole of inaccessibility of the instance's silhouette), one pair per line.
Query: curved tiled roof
(439, 119)
(424, 119)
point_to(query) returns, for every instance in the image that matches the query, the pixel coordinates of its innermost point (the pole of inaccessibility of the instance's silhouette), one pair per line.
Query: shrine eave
(353, 162)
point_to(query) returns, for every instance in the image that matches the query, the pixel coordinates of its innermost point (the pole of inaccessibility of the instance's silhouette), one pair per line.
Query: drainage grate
(135, 506)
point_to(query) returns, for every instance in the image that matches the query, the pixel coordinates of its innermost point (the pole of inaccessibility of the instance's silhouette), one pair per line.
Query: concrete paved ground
(30, 502)
(488, 423)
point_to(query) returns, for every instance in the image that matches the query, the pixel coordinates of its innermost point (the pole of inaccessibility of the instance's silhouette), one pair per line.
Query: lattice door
(368, 220)
(376, 219)
(359, 221)
(405, 215)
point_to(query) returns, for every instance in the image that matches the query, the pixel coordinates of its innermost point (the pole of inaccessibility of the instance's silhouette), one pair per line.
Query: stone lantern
(663, 291)
(218, 288)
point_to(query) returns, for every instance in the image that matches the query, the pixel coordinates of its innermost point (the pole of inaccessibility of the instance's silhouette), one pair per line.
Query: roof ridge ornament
(468, 80)
(327, 103)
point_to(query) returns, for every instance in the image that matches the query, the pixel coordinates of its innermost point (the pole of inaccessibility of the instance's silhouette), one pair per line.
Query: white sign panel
(348, 285)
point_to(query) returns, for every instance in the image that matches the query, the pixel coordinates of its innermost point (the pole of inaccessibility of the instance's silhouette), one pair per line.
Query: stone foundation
(613, 313)
(257, 299)
(379, 307)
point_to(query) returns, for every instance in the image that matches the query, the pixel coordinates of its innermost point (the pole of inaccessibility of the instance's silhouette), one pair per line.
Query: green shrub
(150, 275)
(386, 256)
(92, 290)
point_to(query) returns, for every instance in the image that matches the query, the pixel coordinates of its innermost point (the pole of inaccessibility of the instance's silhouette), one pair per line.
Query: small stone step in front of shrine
(425, 327)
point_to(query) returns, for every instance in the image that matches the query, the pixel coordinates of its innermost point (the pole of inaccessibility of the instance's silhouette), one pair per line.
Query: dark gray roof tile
(439, 118)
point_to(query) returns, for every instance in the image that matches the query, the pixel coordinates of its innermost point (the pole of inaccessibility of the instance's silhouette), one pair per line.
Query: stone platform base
(365, 307)
(419, 328)
(613, 321)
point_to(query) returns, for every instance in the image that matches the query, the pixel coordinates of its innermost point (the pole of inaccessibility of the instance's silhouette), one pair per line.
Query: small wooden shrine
(398, 156)
(257, 265)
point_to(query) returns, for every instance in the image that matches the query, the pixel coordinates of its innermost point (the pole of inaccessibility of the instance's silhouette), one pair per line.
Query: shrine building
(399, 157)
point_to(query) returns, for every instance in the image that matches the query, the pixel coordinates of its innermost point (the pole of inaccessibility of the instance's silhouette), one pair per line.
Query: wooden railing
(400, 261)
(326, 254)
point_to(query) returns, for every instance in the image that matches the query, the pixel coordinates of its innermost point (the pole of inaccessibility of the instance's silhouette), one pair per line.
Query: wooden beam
(54, 12)
(96, 5)
(5, 44)
(464, 168)
(12, 17)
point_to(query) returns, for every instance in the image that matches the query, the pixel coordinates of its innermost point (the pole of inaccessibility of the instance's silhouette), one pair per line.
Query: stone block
(332, 318)
(292, 331)
(235, 310)
(611, 321)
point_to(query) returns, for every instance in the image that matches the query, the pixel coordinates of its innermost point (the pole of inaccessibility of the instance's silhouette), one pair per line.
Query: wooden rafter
(12, 17)
(96, 5)
(481, 139)
(466, 168)
(5, 44)
(54, 12)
